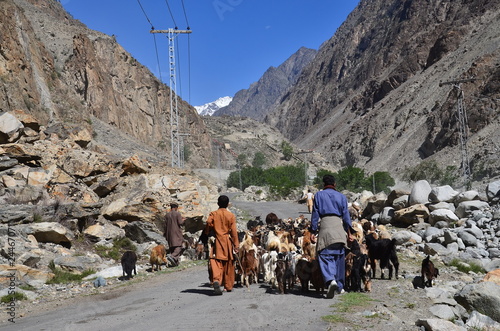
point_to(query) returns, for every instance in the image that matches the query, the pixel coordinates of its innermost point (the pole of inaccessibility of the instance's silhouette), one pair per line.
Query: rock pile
(459, 229)
(57, 191)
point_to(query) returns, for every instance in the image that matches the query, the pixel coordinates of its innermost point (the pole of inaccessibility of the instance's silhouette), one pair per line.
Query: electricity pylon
(175, 134)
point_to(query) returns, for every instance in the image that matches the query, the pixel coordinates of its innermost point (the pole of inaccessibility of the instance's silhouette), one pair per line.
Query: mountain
(378, 93)
(257, 101)
(56, 69)
(210, 108)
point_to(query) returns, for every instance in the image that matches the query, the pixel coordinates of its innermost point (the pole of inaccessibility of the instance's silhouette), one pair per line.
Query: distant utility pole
(463, 125)
(305, 164)
(175, 135)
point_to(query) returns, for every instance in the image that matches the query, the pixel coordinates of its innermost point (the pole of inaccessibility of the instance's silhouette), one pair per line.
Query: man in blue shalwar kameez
(335, 228)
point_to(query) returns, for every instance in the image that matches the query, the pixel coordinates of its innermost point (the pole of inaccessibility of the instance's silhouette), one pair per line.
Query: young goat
(429, 272)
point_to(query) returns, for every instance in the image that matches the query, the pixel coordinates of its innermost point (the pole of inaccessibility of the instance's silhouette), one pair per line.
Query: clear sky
(233, 42)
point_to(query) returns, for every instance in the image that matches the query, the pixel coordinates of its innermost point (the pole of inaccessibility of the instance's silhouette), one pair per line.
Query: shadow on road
(208, 292)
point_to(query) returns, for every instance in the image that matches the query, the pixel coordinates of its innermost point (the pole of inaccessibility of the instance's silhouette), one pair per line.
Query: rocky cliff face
(256, 101)
(372, 96)
(56, 69)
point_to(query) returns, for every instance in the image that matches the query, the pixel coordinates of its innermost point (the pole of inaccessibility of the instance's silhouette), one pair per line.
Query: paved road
(183, 300)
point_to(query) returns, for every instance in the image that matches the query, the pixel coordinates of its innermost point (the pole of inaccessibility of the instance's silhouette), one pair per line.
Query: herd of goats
(279, 252)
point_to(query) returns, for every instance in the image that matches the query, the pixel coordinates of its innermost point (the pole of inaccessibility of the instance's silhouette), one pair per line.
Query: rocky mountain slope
(372, 96)
(256, 101)
(58, 70)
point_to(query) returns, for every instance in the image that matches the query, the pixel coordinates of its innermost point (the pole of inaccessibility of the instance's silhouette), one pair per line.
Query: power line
(171, 15)
(152, 27)
(154, 39)
(184, 9)
(157, 57)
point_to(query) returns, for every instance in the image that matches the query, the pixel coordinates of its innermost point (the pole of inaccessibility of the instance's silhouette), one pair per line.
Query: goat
(158, 257)
(308, 248)
(200, 250)
(383, 250)
(273, 242)
(357, 268)
(272, 219)
(268, 267)
(128, 261)
(429, 272)
(303, 271)
(359, 232)
(280, 271)
(317, 280)
(249, 267)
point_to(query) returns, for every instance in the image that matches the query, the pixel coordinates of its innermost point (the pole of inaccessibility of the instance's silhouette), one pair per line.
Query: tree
(352, 179)
(382, 181)
(287, 150)
(283, 180)
(259, 160)
(249, 176)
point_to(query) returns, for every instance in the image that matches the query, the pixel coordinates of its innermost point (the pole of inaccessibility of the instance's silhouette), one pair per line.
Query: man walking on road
(334, 231)
(223, 223)
(173, 234)
(309, 201)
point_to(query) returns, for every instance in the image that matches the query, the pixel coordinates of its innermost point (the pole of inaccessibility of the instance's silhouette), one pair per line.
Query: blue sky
(233, 42)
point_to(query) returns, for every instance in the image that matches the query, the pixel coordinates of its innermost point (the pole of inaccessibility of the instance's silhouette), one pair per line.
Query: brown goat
(429, 272)
(158, 257)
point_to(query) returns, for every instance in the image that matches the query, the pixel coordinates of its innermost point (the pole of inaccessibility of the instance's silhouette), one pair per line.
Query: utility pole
(305, 164)
(175, 139)
(463, 125)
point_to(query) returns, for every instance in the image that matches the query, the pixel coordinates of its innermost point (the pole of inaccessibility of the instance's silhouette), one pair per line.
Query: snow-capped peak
(210, 108)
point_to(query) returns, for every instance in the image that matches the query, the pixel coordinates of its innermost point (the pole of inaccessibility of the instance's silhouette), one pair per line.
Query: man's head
(174, 206)
(223, 201)
(329, 180)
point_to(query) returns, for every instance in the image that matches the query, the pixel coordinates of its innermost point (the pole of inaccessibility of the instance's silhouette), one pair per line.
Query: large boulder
(437, 324)
(50, 232)
(386, 215)
(78, 263)
(483, 297)
(465, 208)
(492, 276)
(106, 231)
(143, 232)
(411, 215)
(466, 196)
(420, 193)
(442, 194)
(442, 215)
(23, 275)
(493, 191)
(10, 128)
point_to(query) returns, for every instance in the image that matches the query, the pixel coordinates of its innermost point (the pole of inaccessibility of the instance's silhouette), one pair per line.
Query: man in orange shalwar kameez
(223, 223)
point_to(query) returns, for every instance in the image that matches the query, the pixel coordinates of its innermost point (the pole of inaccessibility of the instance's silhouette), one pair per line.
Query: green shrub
(249, 176)
(281, 180)
(287, 150)
(65, 277)
(16, 296)
(466, 267)
(259, 160)
(354, 179)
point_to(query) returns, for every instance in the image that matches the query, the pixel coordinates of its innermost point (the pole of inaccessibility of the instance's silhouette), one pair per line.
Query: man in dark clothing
(334, 231)
(173, 234)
